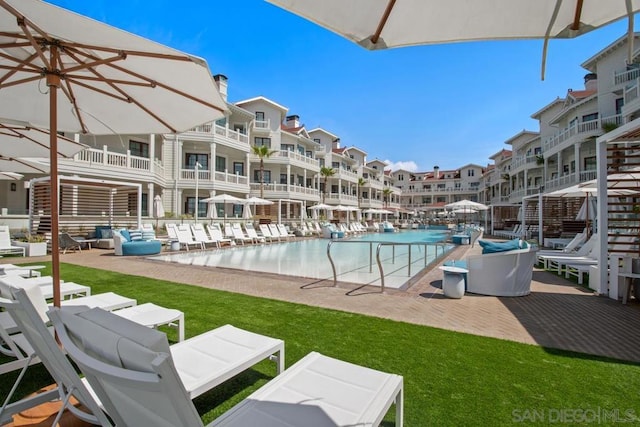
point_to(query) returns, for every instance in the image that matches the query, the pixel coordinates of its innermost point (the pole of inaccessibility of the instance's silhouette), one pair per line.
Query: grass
(450, 378)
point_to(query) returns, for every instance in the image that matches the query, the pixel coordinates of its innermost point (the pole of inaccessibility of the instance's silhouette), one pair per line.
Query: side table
(453, 281)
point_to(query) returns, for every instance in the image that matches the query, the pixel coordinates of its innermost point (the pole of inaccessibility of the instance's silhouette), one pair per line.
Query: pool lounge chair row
(518, 231)
(133, 377)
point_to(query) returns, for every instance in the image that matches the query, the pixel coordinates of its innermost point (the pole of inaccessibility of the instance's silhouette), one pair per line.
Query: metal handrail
(379, 246)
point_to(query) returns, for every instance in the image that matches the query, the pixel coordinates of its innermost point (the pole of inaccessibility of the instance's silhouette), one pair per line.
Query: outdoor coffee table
(453, 281)
(149, 314)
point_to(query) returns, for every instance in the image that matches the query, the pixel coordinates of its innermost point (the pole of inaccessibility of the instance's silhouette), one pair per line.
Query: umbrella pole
(53, 82)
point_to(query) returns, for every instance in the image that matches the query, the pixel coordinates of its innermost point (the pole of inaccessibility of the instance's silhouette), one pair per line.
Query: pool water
(354, 258)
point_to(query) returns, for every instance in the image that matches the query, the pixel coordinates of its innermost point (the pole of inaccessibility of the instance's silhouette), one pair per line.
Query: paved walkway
(557, 314)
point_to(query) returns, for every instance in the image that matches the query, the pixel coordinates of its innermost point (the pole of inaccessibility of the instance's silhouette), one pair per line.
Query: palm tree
(263, 152)
(361, 183)
(385, 195)
(326, 173)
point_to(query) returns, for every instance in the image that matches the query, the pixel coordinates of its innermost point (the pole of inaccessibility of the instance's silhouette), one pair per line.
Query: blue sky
(446, 105)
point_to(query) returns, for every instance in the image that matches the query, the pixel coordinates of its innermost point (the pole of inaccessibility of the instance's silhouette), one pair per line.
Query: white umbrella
(9, 164)
(382, 24)
(212, 211)
(258, 201)
(22, 140)
(321, 206)
(158, 209)
(61, 70)
(10, 176)
(467, 204)
(224, 198)
(246, 212)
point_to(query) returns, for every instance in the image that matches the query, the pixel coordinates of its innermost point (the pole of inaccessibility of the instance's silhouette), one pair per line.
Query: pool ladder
(379, 246)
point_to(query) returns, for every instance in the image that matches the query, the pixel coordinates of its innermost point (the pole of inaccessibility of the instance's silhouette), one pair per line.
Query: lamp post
(197, 166)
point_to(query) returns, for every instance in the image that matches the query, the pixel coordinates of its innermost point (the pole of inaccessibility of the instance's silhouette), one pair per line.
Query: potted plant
(34, 244)
(539, 159)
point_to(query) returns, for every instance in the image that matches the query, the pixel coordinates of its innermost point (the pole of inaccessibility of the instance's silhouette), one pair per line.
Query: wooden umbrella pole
(53, 82)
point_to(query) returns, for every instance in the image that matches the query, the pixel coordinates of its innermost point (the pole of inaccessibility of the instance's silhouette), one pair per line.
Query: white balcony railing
(298, 157)
(584, 129)
(262, 124)
(341, 197)
(622, 77)
(522, 161)
(588, 175)
(210, 128)
(283, 188)
(190, 174)
(230, 178)
(117, 160)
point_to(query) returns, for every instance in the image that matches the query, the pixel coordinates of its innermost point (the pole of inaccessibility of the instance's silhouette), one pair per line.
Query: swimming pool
(354, 258)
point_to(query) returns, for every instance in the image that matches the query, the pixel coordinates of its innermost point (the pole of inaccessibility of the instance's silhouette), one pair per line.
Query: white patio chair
(216, 234)
(141, 386)
(276, 233)
(266, 232)
(200, 235)
(42, 347)
(5, 243)
(251, 232)
(21, 270)
(185, 238)
(172, 231)
(282, 229)
(238, 235)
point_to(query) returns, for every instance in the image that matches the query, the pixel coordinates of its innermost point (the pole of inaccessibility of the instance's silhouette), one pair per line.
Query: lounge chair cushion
(103, 232)
(125, 233)
(148, 235)
(112, 338)
(136, 235)
(493, 247)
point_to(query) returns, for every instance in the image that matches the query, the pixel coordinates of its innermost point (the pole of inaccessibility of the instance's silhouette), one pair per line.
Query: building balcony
(373, 183)
(625, 76)
(223, 135)
(578, 132)
(111, 164)
(560, 182)
(345, 174)
(371, 204)
(631, 98)
(340, 198)
(261, 126)
(292, 158)
(285, 191)
(524, 161)
(204, 176)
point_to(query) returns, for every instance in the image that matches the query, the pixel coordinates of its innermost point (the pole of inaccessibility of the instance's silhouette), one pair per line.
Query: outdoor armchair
(506, 274)
(66, 242)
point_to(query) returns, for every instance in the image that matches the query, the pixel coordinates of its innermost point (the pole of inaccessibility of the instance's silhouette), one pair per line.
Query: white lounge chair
(251, 232)
(185, 238)
(216, 234)
(266, 232)
(202, 362)
(276, 233)
(282, 229)
(200, 235)
(6, 248)
(141, 386)
(238, 234)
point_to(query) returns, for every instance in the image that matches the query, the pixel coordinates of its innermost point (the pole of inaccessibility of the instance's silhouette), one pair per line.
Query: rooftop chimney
(292, 121)
(221, 82)
(336, 143)
(591, 82)
(436, 172)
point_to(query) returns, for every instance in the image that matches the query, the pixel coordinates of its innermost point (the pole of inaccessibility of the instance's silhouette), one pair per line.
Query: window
(283, 178)
(590, 117)
(190, 160)
(140, 149)
(190, 207)
(471, 172)
(335, 165)
(401, 177)
(619, 104)
(321, 162)
(573, 166)
(426, 200)
(334, 188)
(266, 176)
(441, 186)
(286, 147)
(411, 187)
(301, 149)
(457, 185)
(537, 151)
(238, 168)
(374, 167)
(259, 142)
(316, 140)
(590, 163)
(309, 154)
(260, 116)
(221, 164)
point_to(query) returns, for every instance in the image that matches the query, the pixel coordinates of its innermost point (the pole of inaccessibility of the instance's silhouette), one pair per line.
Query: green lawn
(450, 378)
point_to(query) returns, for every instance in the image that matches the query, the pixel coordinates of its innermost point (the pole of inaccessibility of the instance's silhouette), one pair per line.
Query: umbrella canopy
(10, 176)
(382, 24)
(321, 206)
(224, 198)
(212, 211)
(464, 211)
(246, 212)
(9, 164)
(467, 204)
(23, 140)
(258, 201)
(109, 81)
